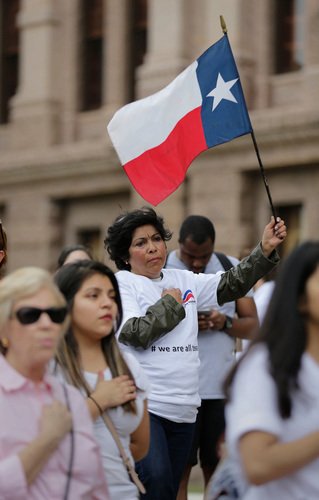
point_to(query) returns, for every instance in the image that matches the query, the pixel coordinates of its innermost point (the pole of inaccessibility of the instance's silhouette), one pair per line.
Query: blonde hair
(25, 282)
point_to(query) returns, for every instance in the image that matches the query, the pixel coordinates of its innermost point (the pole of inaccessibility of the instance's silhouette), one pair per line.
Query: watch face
(228, 322)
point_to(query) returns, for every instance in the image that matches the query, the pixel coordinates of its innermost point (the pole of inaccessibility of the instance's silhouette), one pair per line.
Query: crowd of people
(112, 384)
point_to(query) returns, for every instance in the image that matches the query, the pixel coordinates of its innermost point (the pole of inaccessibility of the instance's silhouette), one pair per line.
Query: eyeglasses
(29, 315)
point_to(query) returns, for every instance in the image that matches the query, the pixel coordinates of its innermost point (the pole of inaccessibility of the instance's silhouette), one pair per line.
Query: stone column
(310, 93)
(28, 218)
(167, 48)
(35, 108)
(116, 53)
(70, 78)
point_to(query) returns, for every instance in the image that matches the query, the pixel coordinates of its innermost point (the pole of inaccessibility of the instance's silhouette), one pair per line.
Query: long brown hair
(69, 279)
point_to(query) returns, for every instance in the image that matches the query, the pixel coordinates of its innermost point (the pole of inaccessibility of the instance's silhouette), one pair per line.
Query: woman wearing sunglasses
(47, 449)
(89, 357)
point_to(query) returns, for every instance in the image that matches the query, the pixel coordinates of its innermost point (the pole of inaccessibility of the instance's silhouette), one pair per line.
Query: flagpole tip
(223, 24)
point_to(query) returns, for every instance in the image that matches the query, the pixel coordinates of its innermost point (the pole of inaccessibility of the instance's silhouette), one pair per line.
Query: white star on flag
(222, 91)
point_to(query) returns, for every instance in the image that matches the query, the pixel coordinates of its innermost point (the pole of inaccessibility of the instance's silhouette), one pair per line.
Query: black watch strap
(228, 323)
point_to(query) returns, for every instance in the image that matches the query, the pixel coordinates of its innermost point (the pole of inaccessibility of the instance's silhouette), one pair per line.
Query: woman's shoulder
(183, 276)
(180, 272)
(254, 366)
(123, 275)
(129, 279)
(257, 355)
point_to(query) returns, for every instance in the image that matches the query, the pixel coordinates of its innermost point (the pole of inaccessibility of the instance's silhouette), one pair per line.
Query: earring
(4, 342)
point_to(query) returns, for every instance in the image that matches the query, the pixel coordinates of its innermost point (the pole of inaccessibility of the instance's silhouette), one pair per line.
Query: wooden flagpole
(262, 170)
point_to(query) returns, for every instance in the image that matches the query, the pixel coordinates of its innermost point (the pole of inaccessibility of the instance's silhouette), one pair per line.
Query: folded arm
(159, 319)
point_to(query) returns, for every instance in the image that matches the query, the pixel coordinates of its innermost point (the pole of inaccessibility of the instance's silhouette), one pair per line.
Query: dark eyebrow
(137, 240)
(93, 289)
(99, 289)
(145, 237)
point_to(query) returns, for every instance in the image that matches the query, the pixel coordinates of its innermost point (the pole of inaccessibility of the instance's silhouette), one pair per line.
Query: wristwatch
(228, 323)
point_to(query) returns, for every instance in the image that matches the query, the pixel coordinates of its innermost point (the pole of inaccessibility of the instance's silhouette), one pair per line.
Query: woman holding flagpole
(160, 327)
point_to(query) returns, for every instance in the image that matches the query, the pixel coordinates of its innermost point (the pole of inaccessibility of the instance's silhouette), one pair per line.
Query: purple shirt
(21, 403)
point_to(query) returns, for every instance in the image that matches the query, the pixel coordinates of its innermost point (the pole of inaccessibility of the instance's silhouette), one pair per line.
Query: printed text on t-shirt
(179, 348)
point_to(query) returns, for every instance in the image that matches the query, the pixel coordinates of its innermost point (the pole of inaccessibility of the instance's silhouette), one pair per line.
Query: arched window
(92, 54)
(289, 45)
(9, 54)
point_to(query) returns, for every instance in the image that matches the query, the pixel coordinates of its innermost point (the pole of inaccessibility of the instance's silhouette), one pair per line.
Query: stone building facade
(75, 62)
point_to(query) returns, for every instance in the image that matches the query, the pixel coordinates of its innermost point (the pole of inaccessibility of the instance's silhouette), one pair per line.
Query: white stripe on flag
(144, 124)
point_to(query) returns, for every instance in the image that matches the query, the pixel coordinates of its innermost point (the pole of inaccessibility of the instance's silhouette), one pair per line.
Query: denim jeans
(162, 468)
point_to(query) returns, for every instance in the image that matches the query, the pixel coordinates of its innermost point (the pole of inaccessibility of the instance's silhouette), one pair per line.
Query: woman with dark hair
(160, 327)
(272, 413)
(89, 358)
(72, 253)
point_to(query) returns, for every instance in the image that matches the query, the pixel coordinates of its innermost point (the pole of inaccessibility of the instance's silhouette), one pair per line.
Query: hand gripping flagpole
(252, 133)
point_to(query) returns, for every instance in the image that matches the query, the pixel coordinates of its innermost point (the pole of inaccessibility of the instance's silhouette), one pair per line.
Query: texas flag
(158, 137)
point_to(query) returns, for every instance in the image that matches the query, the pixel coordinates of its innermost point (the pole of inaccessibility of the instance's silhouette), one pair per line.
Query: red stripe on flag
(158, 172)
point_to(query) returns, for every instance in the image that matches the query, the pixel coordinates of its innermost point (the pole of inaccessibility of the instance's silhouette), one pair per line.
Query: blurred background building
(67, 65)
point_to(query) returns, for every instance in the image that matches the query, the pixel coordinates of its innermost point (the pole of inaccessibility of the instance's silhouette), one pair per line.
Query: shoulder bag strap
(224, 260)
(126, 460)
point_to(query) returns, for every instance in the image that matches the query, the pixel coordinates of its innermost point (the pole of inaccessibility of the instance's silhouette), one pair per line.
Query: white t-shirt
(253, 406)
(119, 483)
(172, 362)
(262, 297)
(118, 480)
(216, 348)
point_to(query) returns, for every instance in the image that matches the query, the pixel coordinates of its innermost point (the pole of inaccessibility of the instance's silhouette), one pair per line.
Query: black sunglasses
(29, 315)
